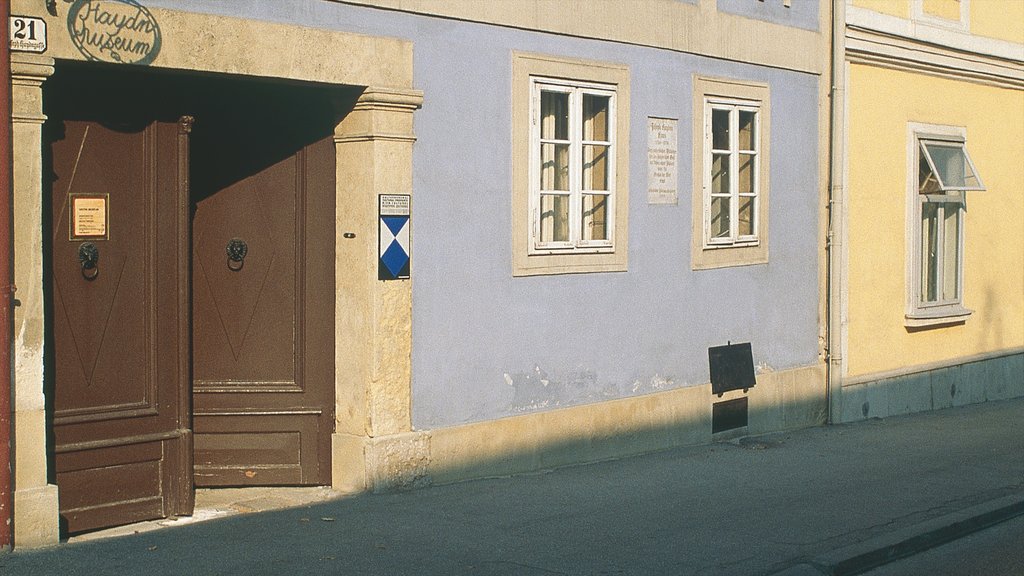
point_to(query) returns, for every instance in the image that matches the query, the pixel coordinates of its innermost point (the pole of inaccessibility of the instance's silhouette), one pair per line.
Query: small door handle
(89, 257)
(236, 249)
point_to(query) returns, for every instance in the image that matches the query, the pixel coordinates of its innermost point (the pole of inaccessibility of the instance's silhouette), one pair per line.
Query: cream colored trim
(373, 343)
(866, 46)
(211, 43)
(885, 24)
(36, 519)
(706, 257)
(525, 65)
(908, 370)
(669, 24)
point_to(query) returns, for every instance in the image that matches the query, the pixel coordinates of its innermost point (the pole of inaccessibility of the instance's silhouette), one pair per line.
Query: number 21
(20, 26)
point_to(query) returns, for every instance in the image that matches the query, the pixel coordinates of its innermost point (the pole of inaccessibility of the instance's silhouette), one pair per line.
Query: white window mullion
(734, 174)
(575, 165)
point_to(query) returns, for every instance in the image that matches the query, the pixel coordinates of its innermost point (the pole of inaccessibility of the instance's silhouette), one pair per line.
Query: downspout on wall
(6, 284)
(834, 246)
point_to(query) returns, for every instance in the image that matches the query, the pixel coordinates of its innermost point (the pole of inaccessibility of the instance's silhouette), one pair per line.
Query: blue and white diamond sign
(394, 237)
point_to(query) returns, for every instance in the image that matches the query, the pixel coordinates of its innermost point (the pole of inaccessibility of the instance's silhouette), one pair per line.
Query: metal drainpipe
(6, 284)
(836, 224)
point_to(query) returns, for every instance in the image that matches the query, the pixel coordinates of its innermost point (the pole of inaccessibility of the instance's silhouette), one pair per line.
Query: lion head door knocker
(89, 257)
(237, 249)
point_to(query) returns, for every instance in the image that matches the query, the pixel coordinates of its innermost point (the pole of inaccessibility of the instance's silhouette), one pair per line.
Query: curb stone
(874, 552)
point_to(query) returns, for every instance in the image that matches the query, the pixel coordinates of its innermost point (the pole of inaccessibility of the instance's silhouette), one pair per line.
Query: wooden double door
(191, 306)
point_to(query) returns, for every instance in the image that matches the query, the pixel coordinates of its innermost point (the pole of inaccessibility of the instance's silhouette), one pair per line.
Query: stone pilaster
(36, 517)
(374, 446)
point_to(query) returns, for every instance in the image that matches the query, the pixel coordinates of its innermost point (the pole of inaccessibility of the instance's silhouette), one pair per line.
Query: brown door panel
(254, 448)
(120, 426)
(263, 325)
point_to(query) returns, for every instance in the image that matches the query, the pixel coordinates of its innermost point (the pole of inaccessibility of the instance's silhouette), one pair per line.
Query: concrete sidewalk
(823, 500)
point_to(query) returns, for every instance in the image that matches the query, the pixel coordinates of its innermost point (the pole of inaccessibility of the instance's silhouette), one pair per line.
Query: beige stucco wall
(206, 42)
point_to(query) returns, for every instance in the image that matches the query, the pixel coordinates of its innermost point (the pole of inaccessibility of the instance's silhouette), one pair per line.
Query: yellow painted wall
(881, 103)
(999, 19)
(898, 8)
(948, 9)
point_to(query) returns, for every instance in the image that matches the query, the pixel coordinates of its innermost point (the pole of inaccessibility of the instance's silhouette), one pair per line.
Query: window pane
(747, 174)
(554, 115)
(927, 183)
(554, 218)
(720, 129)
(720, 174)
(554, 166)
(720, 217)
(929, 252)
(747, 130)
(595, 167)
(595, 217)
(951, 252)
(746, 216)
(951, 163)
(595, 117)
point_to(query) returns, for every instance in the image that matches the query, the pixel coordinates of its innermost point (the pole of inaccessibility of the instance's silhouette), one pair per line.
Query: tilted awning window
(946, 167)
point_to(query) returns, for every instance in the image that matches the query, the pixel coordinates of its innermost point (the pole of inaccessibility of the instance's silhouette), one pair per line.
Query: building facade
(374, 244)
(929, 301)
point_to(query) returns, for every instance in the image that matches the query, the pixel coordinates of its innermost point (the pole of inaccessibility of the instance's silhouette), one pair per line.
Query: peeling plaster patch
(537, 389)
(657, 383)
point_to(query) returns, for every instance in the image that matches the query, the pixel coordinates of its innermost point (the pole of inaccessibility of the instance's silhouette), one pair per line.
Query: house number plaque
(89, 216)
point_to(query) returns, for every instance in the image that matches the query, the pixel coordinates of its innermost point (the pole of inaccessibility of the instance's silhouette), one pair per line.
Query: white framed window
(731, 176)
(941, 174)
(572, 166)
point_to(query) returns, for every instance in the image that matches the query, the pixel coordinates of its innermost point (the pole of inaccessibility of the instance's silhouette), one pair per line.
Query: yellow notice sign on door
(88, 216)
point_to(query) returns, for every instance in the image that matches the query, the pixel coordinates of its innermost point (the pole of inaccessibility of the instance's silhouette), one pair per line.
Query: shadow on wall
(593, 433)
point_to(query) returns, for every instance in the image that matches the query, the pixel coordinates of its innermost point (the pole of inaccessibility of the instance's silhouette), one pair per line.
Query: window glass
(595, 117)
(574, 141)
(595, 167)
(554, 171)
(747, 132)
(720, 129)
(951, 166)
(595, 217)
(929, 251)
(554, 113)
(951, 252)
(554, 218)
(720, 223)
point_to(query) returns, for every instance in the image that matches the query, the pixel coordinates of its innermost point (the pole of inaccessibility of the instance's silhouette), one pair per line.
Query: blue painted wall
(487, 345)
(800, 14)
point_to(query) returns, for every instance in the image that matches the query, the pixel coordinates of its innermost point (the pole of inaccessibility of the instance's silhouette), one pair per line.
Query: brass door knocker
(89, 257)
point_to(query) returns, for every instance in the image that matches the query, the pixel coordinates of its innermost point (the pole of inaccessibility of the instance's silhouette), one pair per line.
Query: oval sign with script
(120, 31)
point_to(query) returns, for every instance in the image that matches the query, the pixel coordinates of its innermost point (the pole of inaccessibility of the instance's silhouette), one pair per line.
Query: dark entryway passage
(191, 286)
